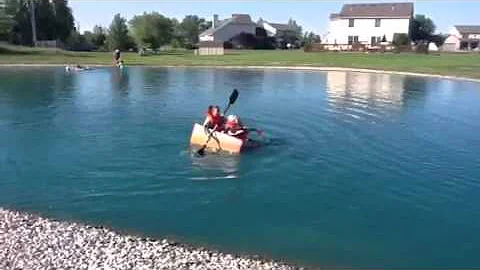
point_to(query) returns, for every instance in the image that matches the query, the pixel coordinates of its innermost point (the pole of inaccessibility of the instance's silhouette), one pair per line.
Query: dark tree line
(53, 20)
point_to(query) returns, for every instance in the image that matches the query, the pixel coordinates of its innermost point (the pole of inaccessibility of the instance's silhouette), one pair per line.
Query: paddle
(233, 98)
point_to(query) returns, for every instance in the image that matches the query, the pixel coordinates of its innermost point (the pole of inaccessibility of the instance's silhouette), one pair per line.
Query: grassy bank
(465, 65)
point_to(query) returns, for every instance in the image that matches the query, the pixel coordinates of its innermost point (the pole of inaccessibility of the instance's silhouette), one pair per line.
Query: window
(352, 40)
(351, 22)
(377, 22)
(375, 40)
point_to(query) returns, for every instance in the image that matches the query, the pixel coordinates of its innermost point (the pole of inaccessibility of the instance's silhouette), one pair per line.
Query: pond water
(361, 170)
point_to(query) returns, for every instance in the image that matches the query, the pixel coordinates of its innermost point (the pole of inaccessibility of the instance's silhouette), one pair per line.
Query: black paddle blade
(201, 152)
(233, 96)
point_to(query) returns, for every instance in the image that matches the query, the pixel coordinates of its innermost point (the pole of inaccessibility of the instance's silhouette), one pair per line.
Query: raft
(219, 141)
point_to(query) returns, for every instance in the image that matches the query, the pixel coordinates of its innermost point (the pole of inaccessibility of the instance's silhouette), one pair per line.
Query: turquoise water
(361, 170)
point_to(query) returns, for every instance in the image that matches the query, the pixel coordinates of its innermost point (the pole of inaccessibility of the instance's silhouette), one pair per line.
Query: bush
(307, 47)
(400, 39)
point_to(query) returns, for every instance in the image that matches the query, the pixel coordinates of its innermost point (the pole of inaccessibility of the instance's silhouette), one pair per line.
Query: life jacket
(235, 129)
(215, 121)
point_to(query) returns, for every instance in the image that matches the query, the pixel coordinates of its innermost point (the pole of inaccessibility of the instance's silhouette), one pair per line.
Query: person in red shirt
(215, 119)
(235, 128)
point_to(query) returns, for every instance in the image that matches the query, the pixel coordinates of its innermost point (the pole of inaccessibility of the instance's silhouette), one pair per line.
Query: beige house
(463, 38)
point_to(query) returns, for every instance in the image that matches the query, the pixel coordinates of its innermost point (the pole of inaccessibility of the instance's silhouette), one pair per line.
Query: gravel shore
(31, 242)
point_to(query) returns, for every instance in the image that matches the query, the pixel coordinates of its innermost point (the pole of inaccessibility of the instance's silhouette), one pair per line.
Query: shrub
(400, 39)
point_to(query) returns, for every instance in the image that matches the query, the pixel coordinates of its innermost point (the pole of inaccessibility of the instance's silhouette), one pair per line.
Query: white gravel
(32, 242)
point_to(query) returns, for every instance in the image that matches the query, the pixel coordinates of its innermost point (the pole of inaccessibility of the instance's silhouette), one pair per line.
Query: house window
(352, 40)
(377, 22)
(373, 40)
(351, 22)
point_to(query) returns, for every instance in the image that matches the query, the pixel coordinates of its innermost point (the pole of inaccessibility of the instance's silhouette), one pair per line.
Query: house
(275, 29)
(463, 38)
(368, 23)
(225, 30)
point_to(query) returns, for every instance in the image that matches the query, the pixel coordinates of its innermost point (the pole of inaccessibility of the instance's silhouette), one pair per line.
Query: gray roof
(468, 29)
(281, 26)
(236, 18)
(377, 10)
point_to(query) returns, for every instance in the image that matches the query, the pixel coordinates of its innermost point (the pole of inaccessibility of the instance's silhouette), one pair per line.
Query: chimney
(215, 21)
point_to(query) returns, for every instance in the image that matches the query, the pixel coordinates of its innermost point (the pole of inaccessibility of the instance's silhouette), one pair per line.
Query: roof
(470, 29)
(236, 18)
(377, 10)
(281, 26)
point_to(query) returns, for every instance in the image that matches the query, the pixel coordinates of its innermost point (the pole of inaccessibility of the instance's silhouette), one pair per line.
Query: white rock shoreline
(29, 241)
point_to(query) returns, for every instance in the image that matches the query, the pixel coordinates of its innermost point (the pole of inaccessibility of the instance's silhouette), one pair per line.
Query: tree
(422, 29)
(5, 21)
(118, 34)
(45, 20)
(64, 21)
(439, 39)
(151, 29)
(20, 31)
(311, 37)
(190, 27)
(400, 39)
(297, 29)
(98, 37)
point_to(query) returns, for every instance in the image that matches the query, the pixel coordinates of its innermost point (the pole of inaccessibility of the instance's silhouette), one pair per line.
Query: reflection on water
(216, 166)
(364, 88)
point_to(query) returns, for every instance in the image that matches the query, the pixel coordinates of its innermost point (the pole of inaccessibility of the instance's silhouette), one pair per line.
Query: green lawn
(466, 65)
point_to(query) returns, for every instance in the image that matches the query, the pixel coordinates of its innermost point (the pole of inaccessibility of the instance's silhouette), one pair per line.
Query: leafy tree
(422, 29)
(20, 31)
(64, 21)
(152, 29)
(244, 41)
(78, 42)
(297, 29)
(118, 34)
(5, 21)
(190, 27)
(311, 37)
(45, 20)
(400, 39)
(98, 37)
(439, 39)
(263, 41)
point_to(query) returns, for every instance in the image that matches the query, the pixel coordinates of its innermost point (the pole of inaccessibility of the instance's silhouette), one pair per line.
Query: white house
(463, 38)
(225, 30)
(369, 23)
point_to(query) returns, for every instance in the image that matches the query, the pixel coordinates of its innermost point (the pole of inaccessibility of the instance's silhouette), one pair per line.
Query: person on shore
(214, 119)
(117, 58)
(235, 128)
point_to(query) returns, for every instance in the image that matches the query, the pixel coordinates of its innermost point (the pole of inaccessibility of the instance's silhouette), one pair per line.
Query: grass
(465, 65)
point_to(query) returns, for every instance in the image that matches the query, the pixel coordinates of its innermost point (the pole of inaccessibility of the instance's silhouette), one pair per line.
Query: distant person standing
(117, 58)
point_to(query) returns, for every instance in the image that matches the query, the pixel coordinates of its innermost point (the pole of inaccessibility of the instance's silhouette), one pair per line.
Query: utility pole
(33, 22)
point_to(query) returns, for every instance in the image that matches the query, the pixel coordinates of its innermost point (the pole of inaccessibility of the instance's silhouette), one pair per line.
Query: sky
(311, 15)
